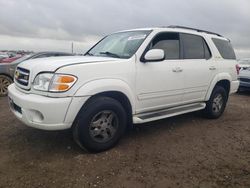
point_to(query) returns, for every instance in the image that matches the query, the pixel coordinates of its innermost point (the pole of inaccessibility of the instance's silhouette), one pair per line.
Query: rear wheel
(100, 124)
(216, 104)
(5, 81)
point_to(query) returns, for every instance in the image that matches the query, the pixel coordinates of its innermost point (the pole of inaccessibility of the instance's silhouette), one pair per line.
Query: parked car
(3, 56)
(10, 59)
(244, 63)
(7, 70)
(244, 75)
(133, 76)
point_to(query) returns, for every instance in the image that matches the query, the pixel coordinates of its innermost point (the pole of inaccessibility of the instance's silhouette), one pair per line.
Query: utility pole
(72, 47)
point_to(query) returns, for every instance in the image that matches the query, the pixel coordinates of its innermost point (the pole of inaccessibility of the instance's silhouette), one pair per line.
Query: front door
(160, 84)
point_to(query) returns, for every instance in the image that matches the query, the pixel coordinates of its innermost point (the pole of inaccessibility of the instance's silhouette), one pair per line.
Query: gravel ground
(184, 151)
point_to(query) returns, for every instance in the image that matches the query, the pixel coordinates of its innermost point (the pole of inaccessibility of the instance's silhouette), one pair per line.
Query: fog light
(36, 116)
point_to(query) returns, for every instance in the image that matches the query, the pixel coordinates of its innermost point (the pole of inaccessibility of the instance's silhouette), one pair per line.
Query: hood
(51, 64)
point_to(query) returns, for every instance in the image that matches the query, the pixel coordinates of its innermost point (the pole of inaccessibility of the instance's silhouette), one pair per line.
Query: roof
(177, 29)
(194, 29)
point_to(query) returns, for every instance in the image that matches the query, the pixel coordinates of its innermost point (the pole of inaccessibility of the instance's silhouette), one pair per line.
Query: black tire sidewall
(85, 116)
(209, 108)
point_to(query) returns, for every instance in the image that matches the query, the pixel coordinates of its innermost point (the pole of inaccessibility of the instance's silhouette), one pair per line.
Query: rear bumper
(234, 86)
(39, 111)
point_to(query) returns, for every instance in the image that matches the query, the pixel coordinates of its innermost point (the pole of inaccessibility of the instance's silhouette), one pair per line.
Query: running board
(165, 113)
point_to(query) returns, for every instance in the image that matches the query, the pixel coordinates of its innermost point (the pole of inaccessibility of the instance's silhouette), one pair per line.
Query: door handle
(177, 69)
(212, 68)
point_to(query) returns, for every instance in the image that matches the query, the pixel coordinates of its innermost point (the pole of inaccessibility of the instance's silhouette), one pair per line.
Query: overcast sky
(40, 25)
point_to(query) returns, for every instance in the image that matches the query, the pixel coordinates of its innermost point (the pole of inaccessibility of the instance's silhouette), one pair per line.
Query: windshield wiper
(90, 54)
(110, 54)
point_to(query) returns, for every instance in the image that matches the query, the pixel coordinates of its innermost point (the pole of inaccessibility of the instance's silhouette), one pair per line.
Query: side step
(165, 113)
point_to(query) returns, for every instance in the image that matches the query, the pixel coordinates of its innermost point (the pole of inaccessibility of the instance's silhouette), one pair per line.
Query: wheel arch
(112, 88)
(120, 97)
(223, 80)
(115, 88)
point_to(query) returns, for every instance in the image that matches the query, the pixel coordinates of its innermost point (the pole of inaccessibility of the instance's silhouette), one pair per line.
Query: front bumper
(40, 111)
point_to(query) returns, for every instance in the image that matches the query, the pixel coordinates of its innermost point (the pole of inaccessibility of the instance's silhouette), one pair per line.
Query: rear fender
(217, 78)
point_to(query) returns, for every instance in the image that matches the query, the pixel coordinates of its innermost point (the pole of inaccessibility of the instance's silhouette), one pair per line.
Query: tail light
(237, 69)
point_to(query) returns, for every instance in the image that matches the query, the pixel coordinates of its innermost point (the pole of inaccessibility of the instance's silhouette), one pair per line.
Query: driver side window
(169, 43)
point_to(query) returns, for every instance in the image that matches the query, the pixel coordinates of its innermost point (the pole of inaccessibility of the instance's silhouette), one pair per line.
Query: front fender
(217, 78)
(104, 85)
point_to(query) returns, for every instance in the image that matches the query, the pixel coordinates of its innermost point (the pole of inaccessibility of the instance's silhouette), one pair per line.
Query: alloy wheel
(103, 126)
(4, 83)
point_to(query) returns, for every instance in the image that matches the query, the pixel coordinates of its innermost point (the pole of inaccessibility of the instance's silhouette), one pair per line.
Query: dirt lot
(184, 151)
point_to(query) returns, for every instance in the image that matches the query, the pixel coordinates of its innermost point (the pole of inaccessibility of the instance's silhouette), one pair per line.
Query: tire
(100, 124)
(5, 81)
(216, 104)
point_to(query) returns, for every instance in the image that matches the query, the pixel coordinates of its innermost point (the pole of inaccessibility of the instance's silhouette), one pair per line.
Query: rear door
(198, 67)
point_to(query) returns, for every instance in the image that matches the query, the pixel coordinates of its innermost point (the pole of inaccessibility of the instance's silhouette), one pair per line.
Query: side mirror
(154, 55)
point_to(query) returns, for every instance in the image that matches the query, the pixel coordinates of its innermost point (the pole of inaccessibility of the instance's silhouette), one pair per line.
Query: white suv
(133, 76)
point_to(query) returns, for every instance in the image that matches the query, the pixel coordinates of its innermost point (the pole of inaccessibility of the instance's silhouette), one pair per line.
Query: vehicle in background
(3, 56)
(7, 70)
(244, 63)
(244, 74)
(10, 59)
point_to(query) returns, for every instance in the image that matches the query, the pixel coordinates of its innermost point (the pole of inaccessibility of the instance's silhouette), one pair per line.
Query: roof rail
(190, 28)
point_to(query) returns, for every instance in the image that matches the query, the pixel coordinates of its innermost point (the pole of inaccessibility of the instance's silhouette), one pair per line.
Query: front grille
(245, 79)
(22, 76)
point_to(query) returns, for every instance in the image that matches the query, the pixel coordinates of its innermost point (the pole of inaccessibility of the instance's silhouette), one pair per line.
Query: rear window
(225, 48)
(195, 47)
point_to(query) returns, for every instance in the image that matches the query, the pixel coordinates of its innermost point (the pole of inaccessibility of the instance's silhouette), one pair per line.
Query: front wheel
(216, 104)
(100, 124)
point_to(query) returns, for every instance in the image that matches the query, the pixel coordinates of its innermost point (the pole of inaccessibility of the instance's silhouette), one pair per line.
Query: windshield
(119, 45)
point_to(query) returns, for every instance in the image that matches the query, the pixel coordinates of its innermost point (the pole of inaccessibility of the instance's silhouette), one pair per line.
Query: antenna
(72, 47)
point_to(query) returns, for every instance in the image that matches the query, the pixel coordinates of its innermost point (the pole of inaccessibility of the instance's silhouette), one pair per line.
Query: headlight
(53, 82)
(42, 81)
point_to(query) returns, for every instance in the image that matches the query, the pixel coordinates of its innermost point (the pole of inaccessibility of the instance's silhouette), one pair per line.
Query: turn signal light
(62, 83)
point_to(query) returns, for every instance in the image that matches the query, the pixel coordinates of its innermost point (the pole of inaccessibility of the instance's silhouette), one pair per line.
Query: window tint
(169, 42)
(225, 48)
(194, 47)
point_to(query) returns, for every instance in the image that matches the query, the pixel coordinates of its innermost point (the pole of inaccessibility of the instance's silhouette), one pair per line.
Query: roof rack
(190, 28)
